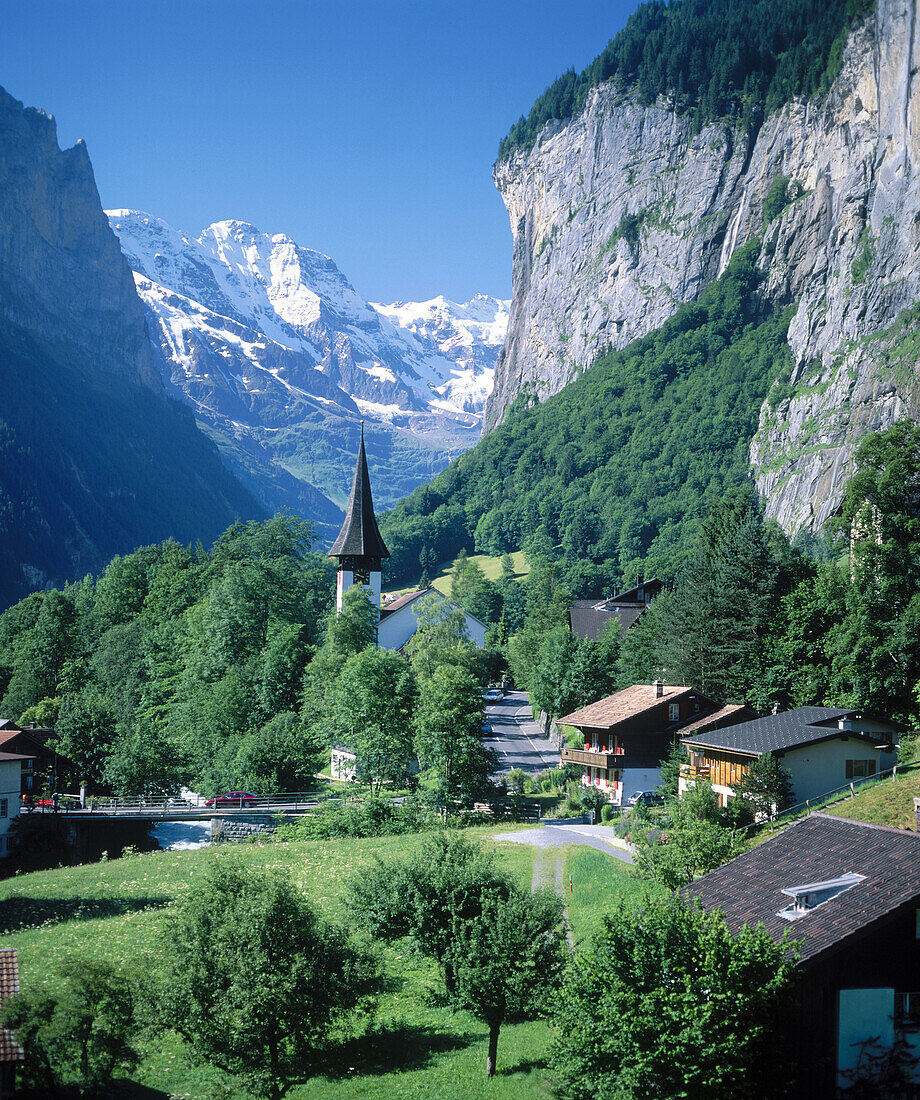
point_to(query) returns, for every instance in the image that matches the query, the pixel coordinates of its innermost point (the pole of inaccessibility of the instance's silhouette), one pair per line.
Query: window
(860, 769)
(808, 897)
(4, 807)
(907, 1010)
(673, 712)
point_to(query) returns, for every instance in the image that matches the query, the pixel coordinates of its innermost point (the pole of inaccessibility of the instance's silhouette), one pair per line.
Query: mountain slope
(632, 206)
(279, 358)
(94, 459)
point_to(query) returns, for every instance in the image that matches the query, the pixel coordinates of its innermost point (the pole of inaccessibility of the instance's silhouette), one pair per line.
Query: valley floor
(413, 1045)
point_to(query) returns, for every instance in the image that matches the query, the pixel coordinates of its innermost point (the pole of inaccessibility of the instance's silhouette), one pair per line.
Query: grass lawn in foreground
(414, 1046)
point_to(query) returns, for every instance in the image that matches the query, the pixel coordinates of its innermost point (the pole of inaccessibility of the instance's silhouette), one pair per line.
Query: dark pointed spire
(359, 537)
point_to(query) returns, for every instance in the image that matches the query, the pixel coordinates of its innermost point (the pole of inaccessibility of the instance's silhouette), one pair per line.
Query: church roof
(359, 536)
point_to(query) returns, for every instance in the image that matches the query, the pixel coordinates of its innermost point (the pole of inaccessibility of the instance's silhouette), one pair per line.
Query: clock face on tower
(362, 576)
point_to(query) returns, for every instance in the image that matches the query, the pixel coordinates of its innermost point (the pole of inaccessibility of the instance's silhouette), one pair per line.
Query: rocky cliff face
(94, 459)
(623, 213)
(63, 279)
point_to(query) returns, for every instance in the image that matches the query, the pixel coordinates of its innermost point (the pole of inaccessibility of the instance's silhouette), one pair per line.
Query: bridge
(183, 809)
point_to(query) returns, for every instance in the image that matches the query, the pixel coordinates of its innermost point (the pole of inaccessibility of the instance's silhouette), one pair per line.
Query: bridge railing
(153, 805)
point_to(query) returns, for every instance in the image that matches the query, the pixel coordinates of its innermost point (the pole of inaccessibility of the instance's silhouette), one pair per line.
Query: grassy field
(491, 567)
(889, 802)
(413, 1047)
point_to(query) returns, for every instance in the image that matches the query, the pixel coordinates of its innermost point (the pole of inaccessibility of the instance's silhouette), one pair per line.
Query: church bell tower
(359, 547)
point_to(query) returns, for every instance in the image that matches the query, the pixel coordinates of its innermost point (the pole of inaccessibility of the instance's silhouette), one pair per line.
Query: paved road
(516, 738)
(548, 836)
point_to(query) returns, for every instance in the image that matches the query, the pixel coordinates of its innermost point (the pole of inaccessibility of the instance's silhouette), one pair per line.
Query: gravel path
(547, 836)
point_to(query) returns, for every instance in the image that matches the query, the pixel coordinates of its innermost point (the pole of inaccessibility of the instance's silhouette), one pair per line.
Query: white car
(494, 695)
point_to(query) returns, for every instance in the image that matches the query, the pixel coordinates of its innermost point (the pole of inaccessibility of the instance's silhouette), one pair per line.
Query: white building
(398, 619)
(10, 798)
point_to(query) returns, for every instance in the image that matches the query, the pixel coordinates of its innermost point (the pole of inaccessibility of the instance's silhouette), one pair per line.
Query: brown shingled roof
(10, 1050)
(721, 718)
(748, 889)
(616, 708)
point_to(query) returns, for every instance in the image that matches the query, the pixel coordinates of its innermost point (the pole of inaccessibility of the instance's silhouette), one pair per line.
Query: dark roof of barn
(775, 732)
(589, 618)
(359, 536)
(748, 889)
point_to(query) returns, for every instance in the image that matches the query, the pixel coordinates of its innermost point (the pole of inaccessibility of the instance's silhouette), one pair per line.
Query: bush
(593, 800)
(606, 812)
(376, 817)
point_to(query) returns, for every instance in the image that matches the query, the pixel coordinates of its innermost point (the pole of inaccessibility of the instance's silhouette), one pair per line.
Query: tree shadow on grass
(123, 1089)
(19, 913)
(391, 1048)
(526, 1065)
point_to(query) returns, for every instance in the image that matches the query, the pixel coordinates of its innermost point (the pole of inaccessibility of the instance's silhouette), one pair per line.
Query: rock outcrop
(63, 279)
(95, 460)
(622, 213)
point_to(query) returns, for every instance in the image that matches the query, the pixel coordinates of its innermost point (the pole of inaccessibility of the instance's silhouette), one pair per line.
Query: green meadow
(413, 1045)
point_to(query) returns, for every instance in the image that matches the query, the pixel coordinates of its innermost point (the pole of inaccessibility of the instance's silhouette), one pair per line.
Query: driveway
(548, 836)
(517, 739)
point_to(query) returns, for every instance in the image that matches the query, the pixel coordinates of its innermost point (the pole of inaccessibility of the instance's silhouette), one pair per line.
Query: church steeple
(359, 546)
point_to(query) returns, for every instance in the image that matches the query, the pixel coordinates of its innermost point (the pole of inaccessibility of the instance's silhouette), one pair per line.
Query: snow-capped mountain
(277, 353)
(470, 333)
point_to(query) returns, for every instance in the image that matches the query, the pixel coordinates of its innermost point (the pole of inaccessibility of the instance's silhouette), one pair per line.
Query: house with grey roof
(847, 894)
(823, 748)
(627, 735)
(590, 618)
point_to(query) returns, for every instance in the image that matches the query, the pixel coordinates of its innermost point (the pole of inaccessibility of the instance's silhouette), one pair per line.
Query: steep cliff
(624, 212)
(94, 458)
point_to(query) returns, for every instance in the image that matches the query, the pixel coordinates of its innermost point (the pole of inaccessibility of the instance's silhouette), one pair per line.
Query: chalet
(822, 748)
(11, 765)
(590, 618)
(42, 764)
(360, 550)
(11, 1053)
(628, 734)
(849, 893)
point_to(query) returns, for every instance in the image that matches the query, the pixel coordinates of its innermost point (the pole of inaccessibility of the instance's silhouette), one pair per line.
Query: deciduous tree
(254, 979)
(508, 959)
(667, 1002)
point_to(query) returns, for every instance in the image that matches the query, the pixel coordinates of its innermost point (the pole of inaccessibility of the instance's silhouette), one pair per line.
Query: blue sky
(364, 130)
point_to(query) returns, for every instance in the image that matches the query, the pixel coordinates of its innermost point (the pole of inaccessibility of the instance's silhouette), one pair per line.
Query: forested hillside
(716, 58)
(228, 668)
(618, 468)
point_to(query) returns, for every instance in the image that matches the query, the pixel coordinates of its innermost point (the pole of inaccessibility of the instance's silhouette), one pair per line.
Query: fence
(830, 798)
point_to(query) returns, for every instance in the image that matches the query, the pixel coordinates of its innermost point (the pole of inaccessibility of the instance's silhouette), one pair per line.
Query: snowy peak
(278, 354)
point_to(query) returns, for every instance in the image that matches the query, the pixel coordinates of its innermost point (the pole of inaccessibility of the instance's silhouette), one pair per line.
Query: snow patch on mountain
(275, 351)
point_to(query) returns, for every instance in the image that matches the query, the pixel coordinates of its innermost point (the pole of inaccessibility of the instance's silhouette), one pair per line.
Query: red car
(233, 798)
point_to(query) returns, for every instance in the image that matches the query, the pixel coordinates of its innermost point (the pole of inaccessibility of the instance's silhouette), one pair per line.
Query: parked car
(646, 798)
(232, 799)
(494, 695)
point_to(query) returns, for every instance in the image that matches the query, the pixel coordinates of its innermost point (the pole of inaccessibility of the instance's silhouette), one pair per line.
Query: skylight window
(812, 894)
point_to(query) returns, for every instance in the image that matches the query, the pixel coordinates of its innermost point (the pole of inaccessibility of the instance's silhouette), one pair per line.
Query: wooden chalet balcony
(592, 759)
(690, 771)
